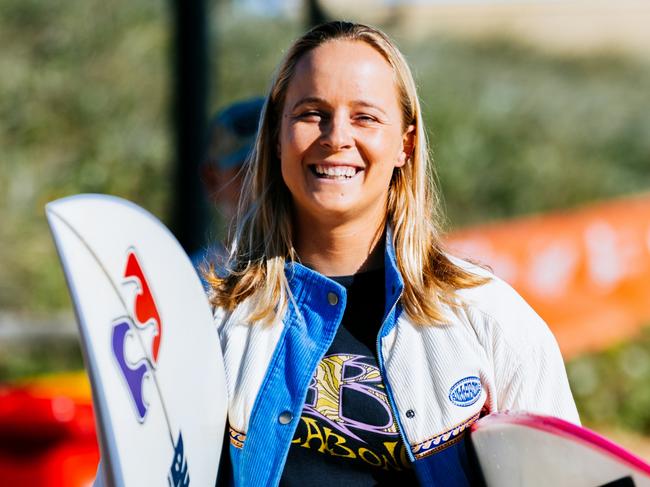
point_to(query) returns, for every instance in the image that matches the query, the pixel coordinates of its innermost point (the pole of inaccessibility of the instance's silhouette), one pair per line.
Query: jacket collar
(302, 280)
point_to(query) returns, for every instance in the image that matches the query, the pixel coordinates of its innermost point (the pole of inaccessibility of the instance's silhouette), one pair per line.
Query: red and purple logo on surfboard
(143, 316)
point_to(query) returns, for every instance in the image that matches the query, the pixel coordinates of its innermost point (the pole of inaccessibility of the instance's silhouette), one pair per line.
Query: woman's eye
(311, 115)
(364, 118)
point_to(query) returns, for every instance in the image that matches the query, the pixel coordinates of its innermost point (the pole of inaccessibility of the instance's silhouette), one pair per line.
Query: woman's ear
(408, 140)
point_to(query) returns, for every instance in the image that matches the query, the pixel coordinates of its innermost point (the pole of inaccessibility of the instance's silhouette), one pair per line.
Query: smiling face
(341, 134)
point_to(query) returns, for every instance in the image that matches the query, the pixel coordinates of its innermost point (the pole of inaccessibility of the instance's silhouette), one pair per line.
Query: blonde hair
(262, 240)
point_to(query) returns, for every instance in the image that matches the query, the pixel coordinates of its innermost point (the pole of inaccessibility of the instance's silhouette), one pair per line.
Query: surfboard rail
(521, 445)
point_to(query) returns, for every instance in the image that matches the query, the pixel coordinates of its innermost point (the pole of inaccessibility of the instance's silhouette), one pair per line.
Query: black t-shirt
(347, 434)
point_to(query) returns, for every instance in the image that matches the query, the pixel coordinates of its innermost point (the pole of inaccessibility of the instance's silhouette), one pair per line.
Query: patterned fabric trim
(442, 441)
(236, 438)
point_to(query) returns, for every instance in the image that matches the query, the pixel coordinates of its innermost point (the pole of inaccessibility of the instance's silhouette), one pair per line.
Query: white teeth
(335, 171)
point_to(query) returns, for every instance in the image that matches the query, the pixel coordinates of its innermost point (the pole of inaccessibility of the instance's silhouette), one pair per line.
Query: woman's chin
(339, 210)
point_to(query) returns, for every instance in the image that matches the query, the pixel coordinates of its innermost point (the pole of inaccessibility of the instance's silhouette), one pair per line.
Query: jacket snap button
(410, 413)
(332, 299)
(285, 418)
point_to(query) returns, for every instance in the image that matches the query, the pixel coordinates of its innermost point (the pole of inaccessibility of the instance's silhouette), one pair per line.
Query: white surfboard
(521, 449)
(151, 350)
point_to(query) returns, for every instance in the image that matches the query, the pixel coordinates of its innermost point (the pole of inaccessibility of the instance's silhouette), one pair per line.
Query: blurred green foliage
(613, 387)
(246, 52)
(515, 131)
(85, 107)
(31, 358)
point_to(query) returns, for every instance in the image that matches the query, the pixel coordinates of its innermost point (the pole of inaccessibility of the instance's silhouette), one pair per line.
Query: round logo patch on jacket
(466, 391)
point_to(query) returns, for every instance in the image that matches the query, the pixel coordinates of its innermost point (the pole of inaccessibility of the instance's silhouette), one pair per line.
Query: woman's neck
(342, 249)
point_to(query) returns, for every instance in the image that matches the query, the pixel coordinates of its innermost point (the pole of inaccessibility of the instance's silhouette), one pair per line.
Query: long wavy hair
(261, 240)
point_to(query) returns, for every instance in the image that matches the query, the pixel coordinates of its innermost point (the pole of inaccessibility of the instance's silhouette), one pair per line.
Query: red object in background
(47, 433)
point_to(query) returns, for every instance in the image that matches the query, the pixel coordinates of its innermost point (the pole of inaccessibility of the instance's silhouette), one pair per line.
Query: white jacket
(494, 353)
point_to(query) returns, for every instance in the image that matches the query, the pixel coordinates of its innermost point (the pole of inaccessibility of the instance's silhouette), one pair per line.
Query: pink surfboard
(522, 449)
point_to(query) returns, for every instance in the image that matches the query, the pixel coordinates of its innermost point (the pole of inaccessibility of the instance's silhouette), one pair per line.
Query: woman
(356, 350)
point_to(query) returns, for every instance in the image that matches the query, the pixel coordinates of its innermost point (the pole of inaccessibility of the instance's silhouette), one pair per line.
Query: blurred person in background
(230, 141)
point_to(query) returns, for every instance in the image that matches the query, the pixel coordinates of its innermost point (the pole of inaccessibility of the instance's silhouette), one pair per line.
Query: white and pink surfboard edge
(517, 449)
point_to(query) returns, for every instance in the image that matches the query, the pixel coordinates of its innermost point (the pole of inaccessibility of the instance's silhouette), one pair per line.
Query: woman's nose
(337, 133)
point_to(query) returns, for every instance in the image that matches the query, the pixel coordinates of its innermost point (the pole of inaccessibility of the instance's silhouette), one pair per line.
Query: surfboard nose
(130, 280)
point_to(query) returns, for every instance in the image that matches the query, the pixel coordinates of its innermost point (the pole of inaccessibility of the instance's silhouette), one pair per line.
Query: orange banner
(586, 272)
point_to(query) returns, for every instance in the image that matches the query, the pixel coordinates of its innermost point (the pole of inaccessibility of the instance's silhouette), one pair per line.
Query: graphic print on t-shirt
(347, 415)
(341, 376)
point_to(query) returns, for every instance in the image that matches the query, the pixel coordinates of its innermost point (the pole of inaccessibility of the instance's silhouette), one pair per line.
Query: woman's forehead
(343, 69)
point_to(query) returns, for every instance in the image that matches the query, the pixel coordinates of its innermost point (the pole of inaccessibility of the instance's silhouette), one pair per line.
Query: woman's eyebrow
(368, 104)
